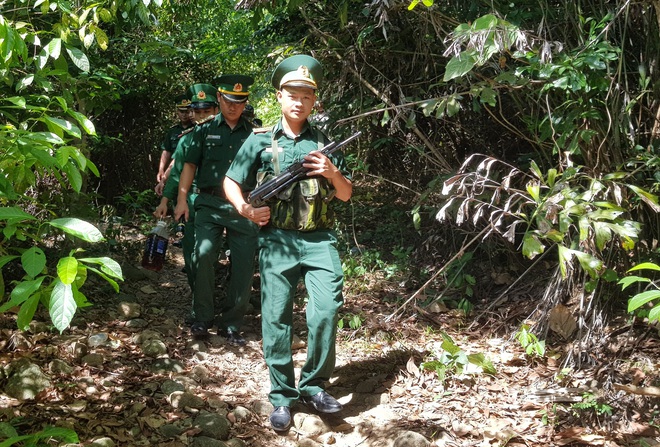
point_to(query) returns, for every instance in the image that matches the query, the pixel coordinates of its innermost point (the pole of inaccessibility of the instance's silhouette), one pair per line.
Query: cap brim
(234, 98)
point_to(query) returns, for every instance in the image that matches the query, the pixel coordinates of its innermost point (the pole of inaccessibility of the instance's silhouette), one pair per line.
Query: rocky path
(127, 373)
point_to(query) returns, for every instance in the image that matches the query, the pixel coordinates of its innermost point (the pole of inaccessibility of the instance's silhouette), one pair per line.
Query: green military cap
(300, 70)
(182, 101)
(203, 96)
(234, 87)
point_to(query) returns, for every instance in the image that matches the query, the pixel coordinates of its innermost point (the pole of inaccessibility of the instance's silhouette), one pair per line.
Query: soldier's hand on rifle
(260, 215)
(181, 210)
(319, 164)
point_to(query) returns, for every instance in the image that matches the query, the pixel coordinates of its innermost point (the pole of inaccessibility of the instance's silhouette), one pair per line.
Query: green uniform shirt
(171, 189)
(171, 138)
(213, 147)
(256, 155)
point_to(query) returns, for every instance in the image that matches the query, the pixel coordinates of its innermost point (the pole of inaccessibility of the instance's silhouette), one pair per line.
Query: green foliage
(58, 291)
(453, 361)
(651, 295)
(354, 321)
(528, 340)
(136, 205)
(590, 403)
(41, 438)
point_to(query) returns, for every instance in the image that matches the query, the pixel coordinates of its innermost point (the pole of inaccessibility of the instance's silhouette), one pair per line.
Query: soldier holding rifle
(296, 239)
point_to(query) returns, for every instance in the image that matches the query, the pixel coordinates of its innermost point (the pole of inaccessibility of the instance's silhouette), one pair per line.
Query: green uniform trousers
(286, 256)
(188, 242)
(212, 216)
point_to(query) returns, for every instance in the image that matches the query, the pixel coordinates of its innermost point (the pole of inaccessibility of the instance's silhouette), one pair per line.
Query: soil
(400, 368)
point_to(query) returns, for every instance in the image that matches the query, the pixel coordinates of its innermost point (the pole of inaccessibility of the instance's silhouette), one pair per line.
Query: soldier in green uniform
(172, 135)
(212, 149)
(204, 105)
(291, 244)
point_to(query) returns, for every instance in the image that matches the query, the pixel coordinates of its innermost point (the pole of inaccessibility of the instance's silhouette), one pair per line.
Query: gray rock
(235, 442)
(154, 348)
(182, 399)
(77, 349)
(93, 359)
(411, 439)
(26, 381)
(310, 424)
(170, 386)
(164, 366)
(97, 339)
(128, 310)
(204, 441)
(103, 442)
(58, 366)
(170, 431)
(37, 327)
(241, 413)
(262, 407)
(212, 425)
(145, 336)
(137, 323)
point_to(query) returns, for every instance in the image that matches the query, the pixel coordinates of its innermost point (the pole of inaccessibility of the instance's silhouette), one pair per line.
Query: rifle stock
(292, 174)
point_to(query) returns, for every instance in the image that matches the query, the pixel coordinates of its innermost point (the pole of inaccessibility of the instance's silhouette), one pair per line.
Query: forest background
(499, 138)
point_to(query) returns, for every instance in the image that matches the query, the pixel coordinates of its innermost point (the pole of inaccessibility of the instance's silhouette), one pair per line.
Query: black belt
(213, 190)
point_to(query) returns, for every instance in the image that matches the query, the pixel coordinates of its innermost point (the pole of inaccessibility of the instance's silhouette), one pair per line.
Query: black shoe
(322, 402)
(280, 419)
(233, 337)
(199, 329)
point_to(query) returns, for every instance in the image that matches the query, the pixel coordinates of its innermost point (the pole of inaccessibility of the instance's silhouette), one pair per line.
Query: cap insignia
(201, 95)
(186, 102)
(304, 71)
(238, 87)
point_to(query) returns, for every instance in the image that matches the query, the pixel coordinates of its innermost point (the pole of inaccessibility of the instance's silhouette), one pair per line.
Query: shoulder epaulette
(197, 123)
(261, 129)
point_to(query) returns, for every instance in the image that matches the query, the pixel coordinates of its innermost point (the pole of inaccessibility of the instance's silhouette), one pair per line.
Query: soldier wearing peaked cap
(296, 240)
(204, 105)
(211, 150)
(171, 138)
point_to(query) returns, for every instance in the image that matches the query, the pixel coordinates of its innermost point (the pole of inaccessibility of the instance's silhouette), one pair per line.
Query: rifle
(290, 175)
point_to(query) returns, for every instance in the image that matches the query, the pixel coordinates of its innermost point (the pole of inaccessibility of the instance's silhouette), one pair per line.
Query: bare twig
(442, 269)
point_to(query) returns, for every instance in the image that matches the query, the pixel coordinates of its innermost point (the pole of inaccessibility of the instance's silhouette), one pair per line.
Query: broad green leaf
(534, 190)
(485, 23)
(110, 281)
(531, 246)
(54, 48)
(645, 266)
(642, 298)
(74, 176)
(62, 305)
(459, 65)
(101, 38)
(7, 430)
(12, 212)
(33, 261)
(565, 256)
(55, 123)
(79, 228)
(84, 122)
(21, 293)
(79, 58)
(648, 198)
(26, 312)
(629, 280)
(108, 265)
(589, 263)
(654, 314)
(18, 101)
(67, 268)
